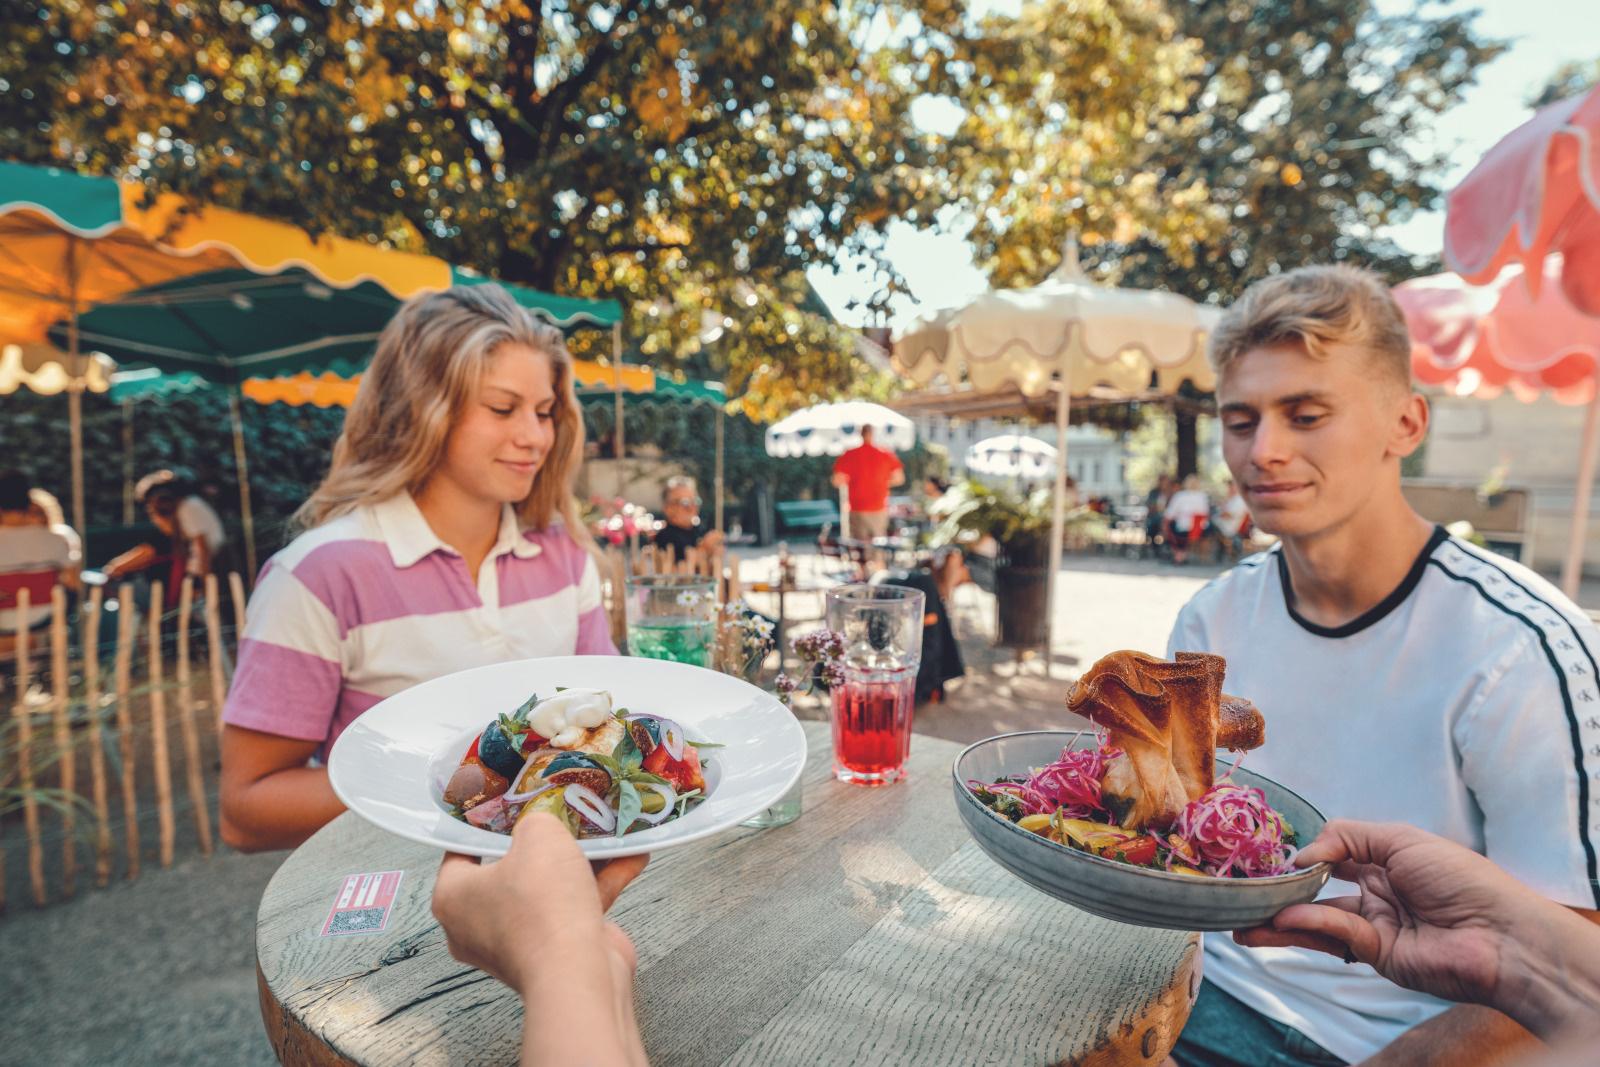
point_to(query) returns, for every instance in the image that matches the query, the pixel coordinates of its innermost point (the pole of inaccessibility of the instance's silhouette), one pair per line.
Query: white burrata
(567, 716)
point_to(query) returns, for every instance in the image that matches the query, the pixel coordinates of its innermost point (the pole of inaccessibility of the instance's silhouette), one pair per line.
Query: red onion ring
(523, 798)
(666, 794)
(535, 754)
(672, 738)
(591, 805)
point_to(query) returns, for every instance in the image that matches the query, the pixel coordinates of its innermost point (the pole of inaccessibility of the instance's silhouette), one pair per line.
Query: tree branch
(645, 246)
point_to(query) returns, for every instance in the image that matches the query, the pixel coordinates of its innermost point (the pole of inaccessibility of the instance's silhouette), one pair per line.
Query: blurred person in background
(684, 529)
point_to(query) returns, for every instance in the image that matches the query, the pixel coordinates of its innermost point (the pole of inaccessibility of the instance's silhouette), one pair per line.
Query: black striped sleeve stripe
(1566, 701)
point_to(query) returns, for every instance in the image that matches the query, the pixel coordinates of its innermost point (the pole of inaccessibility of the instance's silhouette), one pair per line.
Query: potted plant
(1020, 526)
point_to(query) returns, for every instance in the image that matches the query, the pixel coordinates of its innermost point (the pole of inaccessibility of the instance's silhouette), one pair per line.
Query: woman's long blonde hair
(426, 370)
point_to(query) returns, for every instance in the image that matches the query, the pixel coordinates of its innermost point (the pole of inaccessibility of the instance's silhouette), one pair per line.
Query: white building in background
(1095, 457)
(1529, 446)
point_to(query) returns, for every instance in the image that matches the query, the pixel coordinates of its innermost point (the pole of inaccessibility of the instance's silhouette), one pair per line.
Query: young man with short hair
(1405, 675)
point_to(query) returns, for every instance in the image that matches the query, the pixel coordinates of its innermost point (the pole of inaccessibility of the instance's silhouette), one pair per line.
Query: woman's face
(503, 436)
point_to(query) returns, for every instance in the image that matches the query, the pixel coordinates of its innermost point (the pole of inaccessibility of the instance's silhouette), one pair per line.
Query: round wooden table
(870, 930)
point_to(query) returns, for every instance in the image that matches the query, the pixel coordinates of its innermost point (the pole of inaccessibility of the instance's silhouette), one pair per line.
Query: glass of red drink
(882, 630)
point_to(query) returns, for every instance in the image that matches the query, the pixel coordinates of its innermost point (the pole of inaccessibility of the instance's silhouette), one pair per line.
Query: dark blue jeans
(1224, 1032)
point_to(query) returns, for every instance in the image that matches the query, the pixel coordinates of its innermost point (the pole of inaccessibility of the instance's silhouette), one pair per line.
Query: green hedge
(288, 449)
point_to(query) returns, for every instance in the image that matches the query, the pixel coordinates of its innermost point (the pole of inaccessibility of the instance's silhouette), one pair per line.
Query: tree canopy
(1303, 123)
(693, 157)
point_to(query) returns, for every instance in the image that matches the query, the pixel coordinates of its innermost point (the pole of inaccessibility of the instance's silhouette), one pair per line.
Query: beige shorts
(865, 525)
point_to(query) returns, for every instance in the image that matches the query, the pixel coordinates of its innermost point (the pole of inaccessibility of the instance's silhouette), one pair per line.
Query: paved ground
(160, 970)
(1103, 604)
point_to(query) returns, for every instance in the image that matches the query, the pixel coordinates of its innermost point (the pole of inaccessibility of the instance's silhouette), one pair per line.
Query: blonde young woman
(445, 536)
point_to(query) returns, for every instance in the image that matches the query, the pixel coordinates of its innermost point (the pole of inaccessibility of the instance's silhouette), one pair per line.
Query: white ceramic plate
(390, 766)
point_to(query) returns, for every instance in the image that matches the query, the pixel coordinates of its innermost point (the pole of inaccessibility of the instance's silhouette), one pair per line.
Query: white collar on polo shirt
(410, 539)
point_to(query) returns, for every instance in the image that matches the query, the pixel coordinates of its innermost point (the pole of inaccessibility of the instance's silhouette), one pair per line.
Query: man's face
(1309, 441)
(683, 507)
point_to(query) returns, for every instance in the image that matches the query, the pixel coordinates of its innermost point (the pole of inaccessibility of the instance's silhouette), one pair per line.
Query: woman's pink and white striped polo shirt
(373, 602)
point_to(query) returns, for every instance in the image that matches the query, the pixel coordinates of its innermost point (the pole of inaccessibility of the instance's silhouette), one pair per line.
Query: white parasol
(1012, 455)
(832, 429)
(1070, 331)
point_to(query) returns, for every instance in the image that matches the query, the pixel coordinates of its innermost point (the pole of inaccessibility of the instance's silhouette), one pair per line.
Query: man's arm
(200, 550)
(1467, 1033)
(1438, 918)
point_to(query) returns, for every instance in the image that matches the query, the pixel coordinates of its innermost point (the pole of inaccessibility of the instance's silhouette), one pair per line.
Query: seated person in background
(192, 528)
(1155, 508)
(33, 555)
(1406, 675)
(1187, 514)
(949, 569)
(46, 511)
(1232, 521)
(683, 529)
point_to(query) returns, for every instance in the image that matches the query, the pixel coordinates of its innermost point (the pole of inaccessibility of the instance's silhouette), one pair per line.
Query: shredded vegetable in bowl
(1230, 831)
(1071, 784)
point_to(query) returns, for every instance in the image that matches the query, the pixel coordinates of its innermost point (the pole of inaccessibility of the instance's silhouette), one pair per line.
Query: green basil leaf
(628, 806)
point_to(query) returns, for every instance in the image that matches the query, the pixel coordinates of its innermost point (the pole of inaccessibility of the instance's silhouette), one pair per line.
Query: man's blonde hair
(1315, 308)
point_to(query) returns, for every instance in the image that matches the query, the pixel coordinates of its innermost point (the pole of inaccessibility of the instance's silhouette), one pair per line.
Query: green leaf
(685, 798)
(628, 806)
(612, 767)
(627, 754)
(707, 744)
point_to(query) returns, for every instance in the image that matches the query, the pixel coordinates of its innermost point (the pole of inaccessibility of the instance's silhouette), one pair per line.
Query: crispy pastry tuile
(1168, 718)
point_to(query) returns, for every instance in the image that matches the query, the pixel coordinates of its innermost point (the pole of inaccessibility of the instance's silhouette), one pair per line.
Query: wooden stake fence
(84, 708)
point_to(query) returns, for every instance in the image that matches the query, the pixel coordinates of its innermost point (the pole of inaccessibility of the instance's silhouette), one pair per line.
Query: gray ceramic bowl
(1120, 891)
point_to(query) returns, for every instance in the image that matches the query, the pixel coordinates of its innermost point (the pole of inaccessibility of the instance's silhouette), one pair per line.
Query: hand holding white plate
(390, 766)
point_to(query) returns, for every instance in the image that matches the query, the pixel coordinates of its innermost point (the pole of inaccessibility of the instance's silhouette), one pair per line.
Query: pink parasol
(1518, 335)
(1536, 192)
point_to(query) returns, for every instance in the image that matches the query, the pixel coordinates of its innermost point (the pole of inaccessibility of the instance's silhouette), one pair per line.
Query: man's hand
(1432, 916)
(712, 541)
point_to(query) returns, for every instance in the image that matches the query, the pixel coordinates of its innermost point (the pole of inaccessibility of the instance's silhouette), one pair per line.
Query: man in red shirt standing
(869, 472)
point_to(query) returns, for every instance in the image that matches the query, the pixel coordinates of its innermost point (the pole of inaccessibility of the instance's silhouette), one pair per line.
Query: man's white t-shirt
(1466, 703)
(31, 550)
(1231, 516)
(1186, 506)
(196, 518)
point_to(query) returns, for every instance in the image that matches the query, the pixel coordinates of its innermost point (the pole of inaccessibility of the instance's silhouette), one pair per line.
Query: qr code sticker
(358, 921)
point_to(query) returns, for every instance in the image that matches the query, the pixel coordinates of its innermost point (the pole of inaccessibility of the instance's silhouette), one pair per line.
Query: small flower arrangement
(743, 640)
(616, 521)
(822, 652)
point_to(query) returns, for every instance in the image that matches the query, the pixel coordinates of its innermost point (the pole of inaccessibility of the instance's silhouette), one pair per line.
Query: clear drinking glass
(882, 628)
(785, 811)
(672, 616)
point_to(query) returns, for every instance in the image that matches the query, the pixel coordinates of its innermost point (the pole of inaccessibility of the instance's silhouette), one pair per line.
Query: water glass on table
(672, 617)
(872, 703)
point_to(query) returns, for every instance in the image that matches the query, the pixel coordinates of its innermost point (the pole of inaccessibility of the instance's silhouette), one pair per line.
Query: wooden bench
(1504, 520)
(797, 517)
